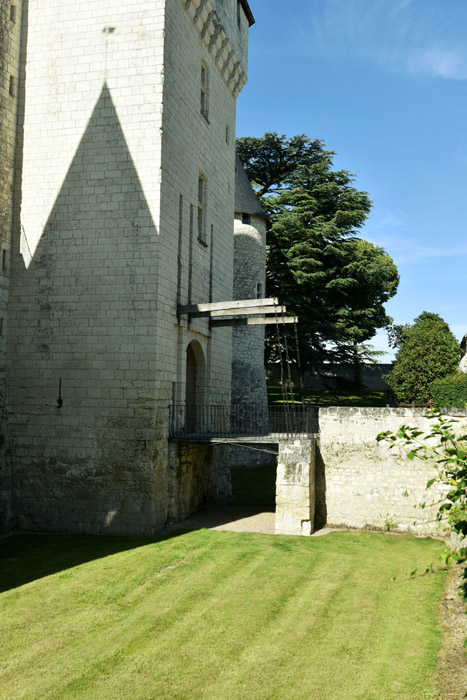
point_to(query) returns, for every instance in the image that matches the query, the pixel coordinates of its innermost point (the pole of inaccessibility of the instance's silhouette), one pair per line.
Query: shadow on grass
(26, 558)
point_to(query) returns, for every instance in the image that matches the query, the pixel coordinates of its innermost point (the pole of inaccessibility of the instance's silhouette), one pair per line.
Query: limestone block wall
(89, 444)
(361, 483)
(115, 145)
(295, 487)
(196, 145)
(198, 475)
(248, 373)
(10, 40)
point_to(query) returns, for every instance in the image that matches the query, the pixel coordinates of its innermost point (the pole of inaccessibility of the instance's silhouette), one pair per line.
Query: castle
(117, 212)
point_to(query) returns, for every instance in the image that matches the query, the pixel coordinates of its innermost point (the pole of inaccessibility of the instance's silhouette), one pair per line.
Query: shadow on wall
(83, 338)
(321, 513)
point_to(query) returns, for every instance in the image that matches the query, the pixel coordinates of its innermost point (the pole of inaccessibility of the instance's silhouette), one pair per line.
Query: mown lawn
(325, 397)
(218, 616)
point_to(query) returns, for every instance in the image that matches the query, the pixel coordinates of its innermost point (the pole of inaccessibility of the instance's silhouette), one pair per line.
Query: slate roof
(245, 198)
(248, 12)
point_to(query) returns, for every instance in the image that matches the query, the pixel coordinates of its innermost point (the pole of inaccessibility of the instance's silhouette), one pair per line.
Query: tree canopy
(333, 281)
(428, 351)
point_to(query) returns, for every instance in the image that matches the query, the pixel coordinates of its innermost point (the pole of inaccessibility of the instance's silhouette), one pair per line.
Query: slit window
(204, 91)
(4, 263)
(239, 16)
(12, 87)
(13, 13)
(202, 208)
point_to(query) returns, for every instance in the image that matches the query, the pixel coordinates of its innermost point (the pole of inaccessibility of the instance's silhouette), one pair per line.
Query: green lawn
(325, 397)
(218, 616)
(254, 486)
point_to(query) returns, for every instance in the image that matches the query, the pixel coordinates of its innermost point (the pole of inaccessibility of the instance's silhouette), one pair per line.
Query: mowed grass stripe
(238, 616)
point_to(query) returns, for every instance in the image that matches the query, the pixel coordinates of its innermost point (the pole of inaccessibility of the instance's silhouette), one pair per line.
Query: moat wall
(361, 483)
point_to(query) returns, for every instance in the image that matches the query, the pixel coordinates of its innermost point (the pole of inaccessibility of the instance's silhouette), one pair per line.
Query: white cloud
(450, 64)
(417, 37)
(388, 220)
(408, 249)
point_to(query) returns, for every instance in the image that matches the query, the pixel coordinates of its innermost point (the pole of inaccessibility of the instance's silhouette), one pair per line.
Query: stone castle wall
(114, 145)
(248, 374)
(10, 40)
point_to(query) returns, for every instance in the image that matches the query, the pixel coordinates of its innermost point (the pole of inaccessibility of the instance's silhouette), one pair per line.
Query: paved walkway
(236, 519)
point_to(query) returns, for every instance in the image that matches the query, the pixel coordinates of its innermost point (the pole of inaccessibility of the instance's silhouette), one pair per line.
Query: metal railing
(242, 421)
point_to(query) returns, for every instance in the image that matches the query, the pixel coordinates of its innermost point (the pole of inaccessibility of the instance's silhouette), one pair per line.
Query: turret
(248, 375)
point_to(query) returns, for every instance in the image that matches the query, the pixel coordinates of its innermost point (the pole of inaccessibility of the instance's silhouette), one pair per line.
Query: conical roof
(245, 198)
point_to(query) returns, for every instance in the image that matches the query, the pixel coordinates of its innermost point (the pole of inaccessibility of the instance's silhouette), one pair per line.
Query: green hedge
(450, 392)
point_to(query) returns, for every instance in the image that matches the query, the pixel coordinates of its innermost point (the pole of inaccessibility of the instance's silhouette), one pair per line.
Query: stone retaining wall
(361, 483)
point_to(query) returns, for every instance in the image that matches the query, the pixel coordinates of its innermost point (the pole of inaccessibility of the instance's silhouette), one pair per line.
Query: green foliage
(428, 351)
(450, 392)
(340, 396)
(448, 453)
(335, 283)
(397, 334)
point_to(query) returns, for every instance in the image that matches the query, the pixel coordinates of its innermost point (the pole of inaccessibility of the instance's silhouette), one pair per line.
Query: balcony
(242, 423)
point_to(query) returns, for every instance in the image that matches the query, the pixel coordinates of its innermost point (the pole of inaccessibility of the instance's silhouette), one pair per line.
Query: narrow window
(211, 262)
(4, 265)
(13, 13)
(227, 134)
(202, 208)
(190, 256)
(204, 91)
(1, 327)
(179, 252)
(239, 17)
(11, 89)
(246, 218)
(259, 290)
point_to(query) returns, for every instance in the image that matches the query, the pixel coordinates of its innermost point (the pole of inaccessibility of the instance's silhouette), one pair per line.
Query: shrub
(450, 392)
(429, 351)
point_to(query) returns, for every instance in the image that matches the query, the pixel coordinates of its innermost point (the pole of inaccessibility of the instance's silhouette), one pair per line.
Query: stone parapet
(362, 483)
(295, 487)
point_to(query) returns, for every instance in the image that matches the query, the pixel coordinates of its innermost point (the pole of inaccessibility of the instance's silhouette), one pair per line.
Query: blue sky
(384, 84)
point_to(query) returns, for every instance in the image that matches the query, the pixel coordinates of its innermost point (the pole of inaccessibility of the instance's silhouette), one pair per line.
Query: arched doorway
(195, 386)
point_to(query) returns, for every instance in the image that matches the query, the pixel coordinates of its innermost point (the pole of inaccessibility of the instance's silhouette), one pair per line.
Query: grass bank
(326, 397)
(218, 615)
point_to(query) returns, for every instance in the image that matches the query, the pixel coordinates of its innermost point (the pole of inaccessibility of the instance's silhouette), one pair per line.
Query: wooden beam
(222, 305)
(254, 321)
(267, 310)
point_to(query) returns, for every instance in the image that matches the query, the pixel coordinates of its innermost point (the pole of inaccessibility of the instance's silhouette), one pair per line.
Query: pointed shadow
(82, 347)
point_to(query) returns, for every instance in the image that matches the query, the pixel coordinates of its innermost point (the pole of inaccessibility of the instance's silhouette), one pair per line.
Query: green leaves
(427, 351)
(448, 453)
(335, 283)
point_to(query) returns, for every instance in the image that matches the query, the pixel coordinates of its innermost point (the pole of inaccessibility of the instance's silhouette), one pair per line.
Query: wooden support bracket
(253, 321)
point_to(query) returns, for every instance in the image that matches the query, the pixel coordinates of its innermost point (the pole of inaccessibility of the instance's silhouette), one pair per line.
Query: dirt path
(235, 518)
(452, 665)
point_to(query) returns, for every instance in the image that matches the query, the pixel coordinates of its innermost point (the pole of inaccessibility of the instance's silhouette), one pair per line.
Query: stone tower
(125, 210)
(248, 375)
